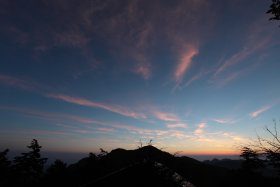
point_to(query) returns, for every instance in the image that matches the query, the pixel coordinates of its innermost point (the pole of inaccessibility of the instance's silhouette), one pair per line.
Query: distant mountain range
(225, 163)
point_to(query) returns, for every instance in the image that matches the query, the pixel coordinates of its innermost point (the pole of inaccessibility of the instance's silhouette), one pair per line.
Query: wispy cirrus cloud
(240, 56)
(142, 67)
(105, 129)
(18, 83)
(185, 63)
(139, 52)
(260, 111)
(224, 80)
(257, 41)
(166, 116)
(89, 103)
(194, 78)
(140, 131)
(159, 134)
(88, 127)
(30, 86)
(130, 29)
(50, 115)
(47, 133)
(200, 128)
(71, 38)
(224, 120)
(177, 125)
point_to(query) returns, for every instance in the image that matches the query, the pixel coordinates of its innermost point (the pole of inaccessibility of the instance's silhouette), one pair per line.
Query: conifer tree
(29, 166)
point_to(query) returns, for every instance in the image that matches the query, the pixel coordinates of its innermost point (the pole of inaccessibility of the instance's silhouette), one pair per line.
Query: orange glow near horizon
(211, 152)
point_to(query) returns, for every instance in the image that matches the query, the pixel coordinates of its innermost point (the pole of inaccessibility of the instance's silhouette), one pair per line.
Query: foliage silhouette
(102, 153)
(57, 167)
(56, 174)
(148, 143)
(252, 160)
(268, 147)
(29, 166)
(5, 167)
(274, 10)
(4, 162)
(274, 158)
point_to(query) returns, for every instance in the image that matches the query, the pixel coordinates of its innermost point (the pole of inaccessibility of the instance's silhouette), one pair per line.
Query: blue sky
(196, 76)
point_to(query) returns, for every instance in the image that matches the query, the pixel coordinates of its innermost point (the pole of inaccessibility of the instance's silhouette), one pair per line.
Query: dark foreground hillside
(146, 166)
(149, 166)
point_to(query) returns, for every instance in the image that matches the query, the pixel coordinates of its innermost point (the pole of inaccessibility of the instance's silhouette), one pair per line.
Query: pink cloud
(137, 130)
(151, 132)
(84, 102)
(105, 129)
(260, 111)
(185, 63)
(177, 134)
(224, 121)
(79, 118)
(200, 128)
(202, 125)
(166, 116)
(177, 125)
(62, 118)
(15, 82)
(71, 38)
(35, 132)
(66, 126)
(139, 50)
(113, 28)
(133, 129)
(144, 70)
(50, 115)
(23, 84)
(83, 131)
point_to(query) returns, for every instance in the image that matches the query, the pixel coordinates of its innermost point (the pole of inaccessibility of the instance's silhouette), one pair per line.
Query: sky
(195, 76)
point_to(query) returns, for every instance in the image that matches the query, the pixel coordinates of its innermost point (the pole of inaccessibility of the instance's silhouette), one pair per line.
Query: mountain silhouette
(149, 166)
(146, 166)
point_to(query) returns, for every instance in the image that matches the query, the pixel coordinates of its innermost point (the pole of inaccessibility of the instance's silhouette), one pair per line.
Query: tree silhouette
(140, 144)
(5, 168)
(274, 158)
(29, 166)
(274, 10)
(57, 167)
(101, 154)
(56, 174)
(92, 157)
(150, 142)
(271, 146)
(267, 146)
(4, 162)
(252, 160)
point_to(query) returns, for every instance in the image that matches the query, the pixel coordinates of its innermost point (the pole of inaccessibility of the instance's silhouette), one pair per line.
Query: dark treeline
(145, 166)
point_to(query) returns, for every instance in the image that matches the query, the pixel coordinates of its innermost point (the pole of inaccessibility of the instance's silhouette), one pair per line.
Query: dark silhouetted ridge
(121, 166)
(146, 166)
